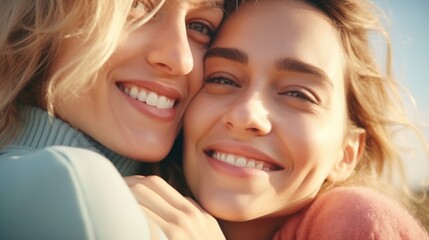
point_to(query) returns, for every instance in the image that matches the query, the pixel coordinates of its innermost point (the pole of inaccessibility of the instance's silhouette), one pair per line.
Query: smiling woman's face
(136, 105)
(268, 127)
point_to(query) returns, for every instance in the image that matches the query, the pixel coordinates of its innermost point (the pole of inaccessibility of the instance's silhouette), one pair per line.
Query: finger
(147, 193)
(164, 190)
(161, 201)
(131, 180)
(202, 211)
(154, 219)
(197, 205)
(156, 224)
(150, 199)
(175, 223)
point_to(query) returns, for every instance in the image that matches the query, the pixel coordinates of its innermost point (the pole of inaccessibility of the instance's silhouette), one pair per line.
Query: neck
(257, 229)
(262, 228)
(40, 130)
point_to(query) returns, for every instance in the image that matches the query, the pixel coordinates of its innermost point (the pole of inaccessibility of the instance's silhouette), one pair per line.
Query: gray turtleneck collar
(40, 130)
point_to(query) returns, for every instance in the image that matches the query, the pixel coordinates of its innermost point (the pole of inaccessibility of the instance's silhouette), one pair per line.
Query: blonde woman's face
(267, 129)
(137, 103)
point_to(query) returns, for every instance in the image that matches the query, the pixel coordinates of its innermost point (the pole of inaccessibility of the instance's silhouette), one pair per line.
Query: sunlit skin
(164, 58)
(274, 98)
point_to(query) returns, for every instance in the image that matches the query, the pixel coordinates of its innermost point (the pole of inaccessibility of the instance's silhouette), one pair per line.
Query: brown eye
(301, 94)
(221, 79)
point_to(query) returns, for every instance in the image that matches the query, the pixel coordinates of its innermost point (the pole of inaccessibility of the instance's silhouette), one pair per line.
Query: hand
(178, 216)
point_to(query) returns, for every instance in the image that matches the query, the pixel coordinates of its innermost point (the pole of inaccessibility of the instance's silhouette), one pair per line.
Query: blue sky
(409, 29)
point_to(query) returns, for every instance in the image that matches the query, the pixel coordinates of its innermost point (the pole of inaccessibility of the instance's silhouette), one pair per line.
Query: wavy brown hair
(374, 100)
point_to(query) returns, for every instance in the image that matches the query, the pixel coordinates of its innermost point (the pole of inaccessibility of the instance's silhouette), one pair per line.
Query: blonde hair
(31, 36)
(374, 101)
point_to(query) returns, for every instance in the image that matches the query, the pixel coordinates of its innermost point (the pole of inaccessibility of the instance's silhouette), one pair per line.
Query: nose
(171, 52)
(248, 117)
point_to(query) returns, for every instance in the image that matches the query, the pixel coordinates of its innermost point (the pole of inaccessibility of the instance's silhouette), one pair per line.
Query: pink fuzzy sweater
(352, 213)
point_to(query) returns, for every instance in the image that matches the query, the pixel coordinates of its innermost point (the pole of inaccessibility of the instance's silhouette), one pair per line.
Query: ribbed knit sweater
(39, 130)
(352, 213)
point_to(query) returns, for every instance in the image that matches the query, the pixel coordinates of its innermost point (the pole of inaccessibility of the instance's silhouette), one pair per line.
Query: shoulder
(358, 213)
(22, 152)
(44, 190)
(350, 201)
(26, 162)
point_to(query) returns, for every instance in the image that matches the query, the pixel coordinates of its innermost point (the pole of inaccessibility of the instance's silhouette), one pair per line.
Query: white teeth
(230, 159)
(142, 96)
(148, 97)
(164, 103)
(134, 92)
(152, 99)
(240, 161)
(251, 164)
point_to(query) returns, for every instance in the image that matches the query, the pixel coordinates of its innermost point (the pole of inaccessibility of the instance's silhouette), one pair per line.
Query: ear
(350, 155)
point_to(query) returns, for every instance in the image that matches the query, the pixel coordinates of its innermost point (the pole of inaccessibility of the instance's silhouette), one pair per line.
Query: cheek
(200, 120)
(196, 76)
(194, 119)
(76, 110)
(194, 81)
(193, 130)
(130, 42)
(131, 50)
(313, 156)
(311, 143)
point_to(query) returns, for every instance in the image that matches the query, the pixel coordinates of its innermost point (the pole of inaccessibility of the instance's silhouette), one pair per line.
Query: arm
(66, 193)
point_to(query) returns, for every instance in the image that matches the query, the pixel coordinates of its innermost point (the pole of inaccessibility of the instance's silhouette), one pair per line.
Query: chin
(146, 153)
(152, 151)
(234, 216)
(229, 213)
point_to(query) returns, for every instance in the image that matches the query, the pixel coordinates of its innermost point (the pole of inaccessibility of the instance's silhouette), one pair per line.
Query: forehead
(284, 29)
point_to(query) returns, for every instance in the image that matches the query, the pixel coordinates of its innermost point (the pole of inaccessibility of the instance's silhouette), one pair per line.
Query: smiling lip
(151, 98)
(242, 156)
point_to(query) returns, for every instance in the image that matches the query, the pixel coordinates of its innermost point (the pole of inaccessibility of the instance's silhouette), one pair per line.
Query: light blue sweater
(57, 183)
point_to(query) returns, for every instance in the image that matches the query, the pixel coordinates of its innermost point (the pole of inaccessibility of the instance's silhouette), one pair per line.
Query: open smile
(242, 162)
(148, 97)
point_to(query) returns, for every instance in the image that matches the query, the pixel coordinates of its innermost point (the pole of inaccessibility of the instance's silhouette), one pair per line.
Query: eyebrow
(296, 65)
(232, 54)
(282, 64)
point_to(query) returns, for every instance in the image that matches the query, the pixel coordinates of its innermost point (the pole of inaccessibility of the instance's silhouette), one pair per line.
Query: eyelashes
(219, 83)
(301, 93)
(201, 31)
(201, 27)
